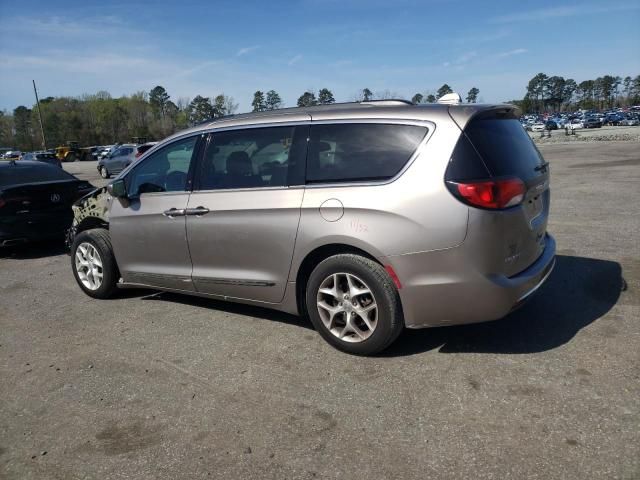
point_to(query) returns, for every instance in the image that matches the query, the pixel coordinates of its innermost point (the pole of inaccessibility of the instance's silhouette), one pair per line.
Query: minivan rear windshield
(505, 147)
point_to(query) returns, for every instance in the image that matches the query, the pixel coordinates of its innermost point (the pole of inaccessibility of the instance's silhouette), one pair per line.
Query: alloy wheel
(347, 307)
(89, 266)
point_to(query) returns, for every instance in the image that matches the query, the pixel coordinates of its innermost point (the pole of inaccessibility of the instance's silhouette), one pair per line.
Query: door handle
(197, 211)
(174, 212)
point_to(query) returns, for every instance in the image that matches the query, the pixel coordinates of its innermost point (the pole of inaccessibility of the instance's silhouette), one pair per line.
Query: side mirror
(117, 188)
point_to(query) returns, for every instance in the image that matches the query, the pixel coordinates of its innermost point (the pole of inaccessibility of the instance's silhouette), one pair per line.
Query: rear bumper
(442, 288)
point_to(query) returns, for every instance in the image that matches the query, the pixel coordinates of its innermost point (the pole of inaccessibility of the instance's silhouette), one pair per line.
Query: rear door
(148, 230)
(243, 216)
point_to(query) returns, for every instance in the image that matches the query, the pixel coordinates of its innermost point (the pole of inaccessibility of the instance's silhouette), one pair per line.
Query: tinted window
(505, 148)
(465, 163)
(144, 148)
(252, 158)
(18, 174)
(166, 170)
(351, 152)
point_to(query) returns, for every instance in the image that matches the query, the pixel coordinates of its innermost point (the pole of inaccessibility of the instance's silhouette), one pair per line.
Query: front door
(148, 230)
(243, 216)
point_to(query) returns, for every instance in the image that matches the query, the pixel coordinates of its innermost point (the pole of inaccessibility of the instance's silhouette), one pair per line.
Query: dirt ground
(162, 386)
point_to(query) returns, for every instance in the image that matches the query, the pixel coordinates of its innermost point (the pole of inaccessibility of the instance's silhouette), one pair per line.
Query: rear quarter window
(360, 152)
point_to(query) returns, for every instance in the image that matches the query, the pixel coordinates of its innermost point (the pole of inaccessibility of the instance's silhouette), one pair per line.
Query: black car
(592, 122)
(35, 201)
(45, 157)
(550, 125)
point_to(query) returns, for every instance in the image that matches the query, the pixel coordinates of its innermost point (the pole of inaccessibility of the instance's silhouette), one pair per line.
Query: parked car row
(577, 120)
(42, 156)
(11, 155)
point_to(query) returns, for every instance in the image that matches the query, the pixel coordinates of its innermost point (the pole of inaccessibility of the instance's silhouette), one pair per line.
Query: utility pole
(44, 140)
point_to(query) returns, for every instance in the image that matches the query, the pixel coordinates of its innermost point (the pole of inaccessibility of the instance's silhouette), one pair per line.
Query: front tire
(104, 173)
(354, 305)
(93, 263)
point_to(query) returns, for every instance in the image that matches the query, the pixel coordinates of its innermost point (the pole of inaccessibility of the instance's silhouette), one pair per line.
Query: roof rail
(391, 102)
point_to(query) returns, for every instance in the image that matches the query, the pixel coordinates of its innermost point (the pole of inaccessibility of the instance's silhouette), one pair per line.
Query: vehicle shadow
(33, 250)
(578, 292)
(228, 307)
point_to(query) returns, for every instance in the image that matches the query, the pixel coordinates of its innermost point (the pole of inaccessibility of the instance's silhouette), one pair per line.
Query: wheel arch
(313, 258)
(91, 222)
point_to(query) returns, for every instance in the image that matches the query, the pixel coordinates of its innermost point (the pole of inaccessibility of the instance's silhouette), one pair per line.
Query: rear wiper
(542, 167)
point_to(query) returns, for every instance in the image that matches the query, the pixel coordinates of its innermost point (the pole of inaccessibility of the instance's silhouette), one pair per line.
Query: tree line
(555, 93)
(100, 119)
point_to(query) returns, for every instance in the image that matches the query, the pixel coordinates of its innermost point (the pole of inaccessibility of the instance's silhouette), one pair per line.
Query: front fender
(92, 208)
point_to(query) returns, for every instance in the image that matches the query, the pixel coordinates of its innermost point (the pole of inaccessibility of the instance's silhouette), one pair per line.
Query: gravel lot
(163, 386)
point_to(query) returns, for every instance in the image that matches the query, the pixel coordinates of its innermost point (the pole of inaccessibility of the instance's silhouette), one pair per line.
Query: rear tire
(353, 304)
(93, 263)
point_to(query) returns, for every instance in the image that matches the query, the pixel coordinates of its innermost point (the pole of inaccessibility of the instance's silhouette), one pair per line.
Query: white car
(630, 122)
(575, 124)
(537, 127)
(105, 151)
(12, 155)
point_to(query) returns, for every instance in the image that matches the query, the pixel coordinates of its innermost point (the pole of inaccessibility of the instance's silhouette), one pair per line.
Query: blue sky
(236, 47)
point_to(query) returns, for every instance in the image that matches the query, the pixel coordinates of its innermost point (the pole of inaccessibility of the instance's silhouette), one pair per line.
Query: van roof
(376, 109)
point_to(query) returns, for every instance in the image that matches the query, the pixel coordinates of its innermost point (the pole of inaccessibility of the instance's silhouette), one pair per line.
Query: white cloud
(245, 50)
(561, 12)
(466, 57)
(516, 51)
(94, 64)
(66, 27)
(482, 37)
(341, 63)
(295, 59)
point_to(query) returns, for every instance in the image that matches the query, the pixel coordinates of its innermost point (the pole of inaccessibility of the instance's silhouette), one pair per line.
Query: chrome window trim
(251, 189)
(429, 125)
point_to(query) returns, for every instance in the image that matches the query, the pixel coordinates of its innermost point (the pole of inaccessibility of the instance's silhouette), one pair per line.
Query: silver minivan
(367, 218)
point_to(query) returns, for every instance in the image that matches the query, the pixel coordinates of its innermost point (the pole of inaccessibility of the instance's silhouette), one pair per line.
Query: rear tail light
(138, 154)
(7, 201)
(491, 194)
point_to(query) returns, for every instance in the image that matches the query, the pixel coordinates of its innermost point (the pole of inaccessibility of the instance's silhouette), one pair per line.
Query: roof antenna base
(452, 98)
